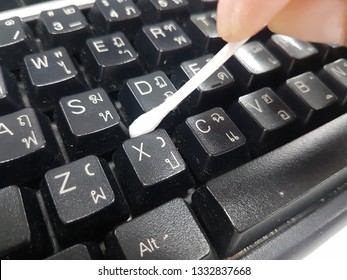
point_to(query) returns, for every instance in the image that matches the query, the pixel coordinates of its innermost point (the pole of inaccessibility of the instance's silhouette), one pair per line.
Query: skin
(322, 21)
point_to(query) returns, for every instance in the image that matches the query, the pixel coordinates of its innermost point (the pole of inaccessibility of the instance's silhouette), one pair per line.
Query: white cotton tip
(149, 121)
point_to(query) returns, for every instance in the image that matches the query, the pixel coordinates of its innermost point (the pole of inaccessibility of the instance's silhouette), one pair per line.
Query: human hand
(322, 21)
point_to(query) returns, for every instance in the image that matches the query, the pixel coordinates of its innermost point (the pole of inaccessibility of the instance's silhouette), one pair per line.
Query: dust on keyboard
(257, 146)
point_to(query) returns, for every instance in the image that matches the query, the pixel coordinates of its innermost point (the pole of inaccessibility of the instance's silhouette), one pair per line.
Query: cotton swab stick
(147, 122)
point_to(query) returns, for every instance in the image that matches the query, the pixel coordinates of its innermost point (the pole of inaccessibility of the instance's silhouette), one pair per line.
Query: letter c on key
(207, 130)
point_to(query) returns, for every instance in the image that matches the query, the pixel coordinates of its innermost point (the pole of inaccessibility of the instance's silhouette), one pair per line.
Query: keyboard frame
(318, 225)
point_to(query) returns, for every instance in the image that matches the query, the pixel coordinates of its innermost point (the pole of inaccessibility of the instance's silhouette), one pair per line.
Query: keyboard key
(141, 94)
(215, 91)
(23, 232)
(168, 232)
(10, 99)
(202, 5)
(7, 5)
(83, 200)
(89, 123)
(65, 27)
(27, 144)
(151, 170)
(311, 100)
(163, 45)
(211, 143)
(296, 56)
(88, 251)
(334, 76)
(109, 60)
(16, 41)
(254, 67)
(202, 29)
(49, 76)
(264, 119)
(160, 10)
(250, 202)
(112, 15)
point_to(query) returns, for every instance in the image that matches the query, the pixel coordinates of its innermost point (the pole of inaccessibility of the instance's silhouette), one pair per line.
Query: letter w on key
(141, 152)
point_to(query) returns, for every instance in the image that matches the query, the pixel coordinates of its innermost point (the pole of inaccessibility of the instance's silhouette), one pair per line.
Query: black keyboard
(253, 165)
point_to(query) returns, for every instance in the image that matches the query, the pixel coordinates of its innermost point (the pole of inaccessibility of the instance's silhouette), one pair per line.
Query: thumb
(238, 19)
(322, 21)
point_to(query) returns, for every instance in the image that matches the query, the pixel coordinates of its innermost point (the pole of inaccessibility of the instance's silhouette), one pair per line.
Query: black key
(264, 119)
(254, 67)
(88, 251)
(27, 144)
(311, 100)
(141, 94)
(335, 76)
(249, 202)
(109, 60)
(215, 91)
(89, 123)
(49, 76)
(159, 10)
(202, 29)
(296, 56)
(211, 143)
(169, 232)
(7, 5)
(333, 52)
(112, 15)
(10, 99)
(65, 27)
(163, 45)
(83, 200)
(202, 5)
(151, 170)
(16, 41)
(23, 232)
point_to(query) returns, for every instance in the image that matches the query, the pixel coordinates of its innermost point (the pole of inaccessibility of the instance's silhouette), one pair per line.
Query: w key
(49, 76)
(27, 144)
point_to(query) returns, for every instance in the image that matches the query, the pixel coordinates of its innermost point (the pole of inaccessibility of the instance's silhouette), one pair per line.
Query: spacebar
(245, 204)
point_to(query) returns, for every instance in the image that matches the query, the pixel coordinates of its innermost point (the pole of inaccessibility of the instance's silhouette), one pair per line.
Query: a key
(10, 99)
(27, 144)
(169, 232)
(254, 67)
(151, 170)
(87, 251)
(141, 94)
(334, 75)
(89, 123)
(160, 10)
(215, 91)
(23, 231)
(50, 75)
(211, 143)
(66, 27)
(264, 120)
(202, 5)
(112, 15)
(109, 60)
(16, 41)
(311, 100)
(163, 45)
(253, 200)
(296, 56)
(83, 200)
(202, 30)
(333, 52)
